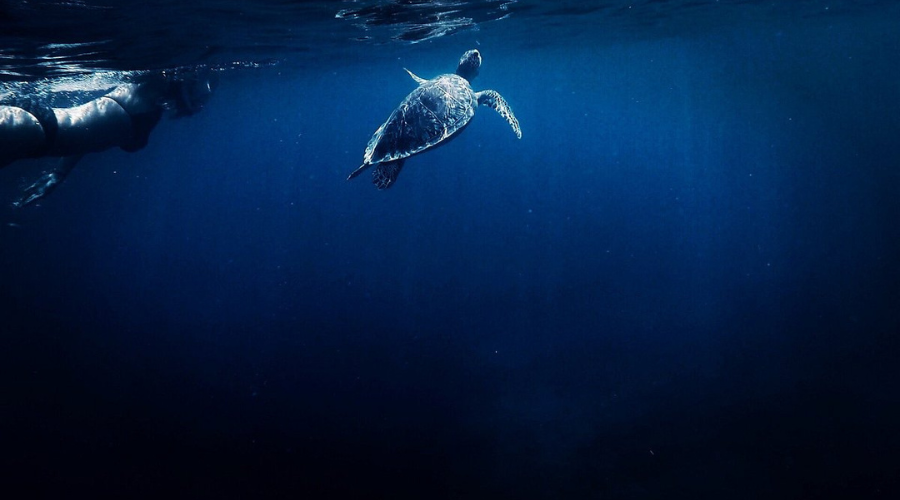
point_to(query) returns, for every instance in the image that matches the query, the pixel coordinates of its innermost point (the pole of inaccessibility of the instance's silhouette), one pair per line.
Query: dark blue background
(683, 280)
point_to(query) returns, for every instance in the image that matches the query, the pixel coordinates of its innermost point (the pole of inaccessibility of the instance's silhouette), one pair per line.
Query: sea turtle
(436, 111)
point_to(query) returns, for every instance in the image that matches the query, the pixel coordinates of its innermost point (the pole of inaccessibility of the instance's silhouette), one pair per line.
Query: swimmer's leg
(47, 182)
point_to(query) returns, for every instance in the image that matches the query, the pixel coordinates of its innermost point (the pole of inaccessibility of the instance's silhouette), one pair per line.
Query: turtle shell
(433, 112)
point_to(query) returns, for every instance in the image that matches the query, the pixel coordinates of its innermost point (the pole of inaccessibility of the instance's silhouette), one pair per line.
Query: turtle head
(469, 64)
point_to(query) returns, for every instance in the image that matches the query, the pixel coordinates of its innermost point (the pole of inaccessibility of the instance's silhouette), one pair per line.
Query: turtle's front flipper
(495, 101)
(386, 173)
(418, 79)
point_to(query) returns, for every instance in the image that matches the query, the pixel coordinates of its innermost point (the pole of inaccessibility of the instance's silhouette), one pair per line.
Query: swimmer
(122, 118)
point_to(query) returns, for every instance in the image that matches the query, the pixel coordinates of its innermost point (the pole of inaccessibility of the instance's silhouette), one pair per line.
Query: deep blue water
(683, 282)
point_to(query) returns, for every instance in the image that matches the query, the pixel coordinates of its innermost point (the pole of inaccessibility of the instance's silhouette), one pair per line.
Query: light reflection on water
(48, 38)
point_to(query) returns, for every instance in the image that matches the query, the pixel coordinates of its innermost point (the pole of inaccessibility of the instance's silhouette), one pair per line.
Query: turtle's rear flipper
(495, 101)
(386, 173)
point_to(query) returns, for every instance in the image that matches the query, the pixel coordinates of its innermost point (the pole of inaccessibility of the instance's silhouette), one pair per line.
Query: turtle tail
(357, 171)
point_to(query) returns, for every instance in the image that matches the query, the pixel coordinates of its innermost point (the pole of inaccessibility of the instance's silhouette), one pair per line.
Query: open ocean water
(683, 282)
